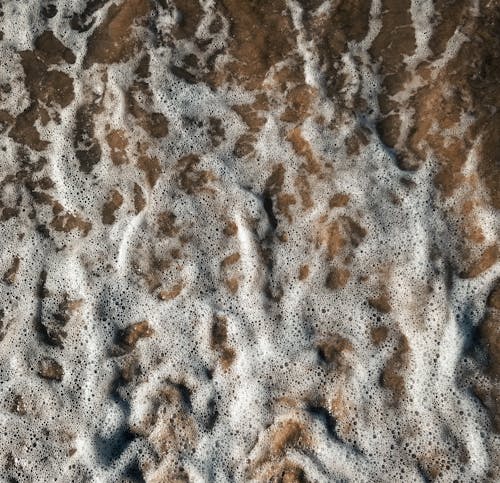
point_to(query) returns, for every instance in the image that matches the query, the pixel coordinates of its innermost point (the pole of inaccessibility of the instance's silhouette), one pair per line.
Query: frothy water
(249, 241)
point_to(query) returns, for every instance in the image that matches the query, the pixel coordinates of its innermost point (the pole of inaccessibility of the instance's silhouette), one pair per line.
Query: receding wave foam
(249, 241)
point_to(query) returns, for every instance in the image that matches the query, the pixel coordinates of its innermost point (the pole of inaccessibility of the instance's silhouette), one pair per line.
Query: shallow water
(249, 241)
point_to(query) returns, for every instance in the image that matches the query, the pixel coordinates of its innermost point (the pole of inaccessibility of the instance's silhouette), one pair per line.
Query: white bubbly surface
(200, 403)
